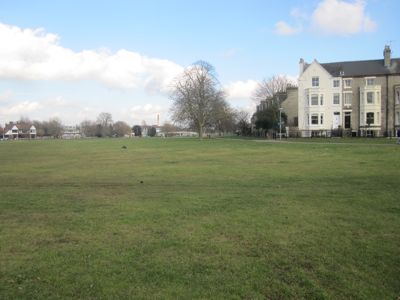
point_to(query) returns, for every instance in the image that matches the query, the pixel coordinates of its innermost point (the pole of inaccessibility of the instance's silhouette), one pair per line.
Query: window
(347, 83)
(314, 119)
(370, 97)
(322, 119)
(348, 98)
(336, 83)
(398, 96)
(370, 81)
(336, 99)
(321, 100)
(397, 118)
(315, 81)
(370, 118)
(314, 99)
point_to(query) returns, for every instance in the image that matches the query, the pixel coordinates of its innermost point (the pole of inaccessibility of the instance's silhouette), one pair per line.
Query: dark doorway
(347, 120)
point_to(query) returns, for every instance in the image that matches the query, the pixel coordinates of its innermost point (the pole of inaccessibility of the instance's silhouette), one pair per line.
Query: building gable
(315, 68)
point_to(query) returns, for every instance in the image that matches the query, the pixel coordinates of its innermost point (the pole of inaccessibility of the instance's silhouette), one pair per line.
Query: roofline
(369, 75)
(355, 61)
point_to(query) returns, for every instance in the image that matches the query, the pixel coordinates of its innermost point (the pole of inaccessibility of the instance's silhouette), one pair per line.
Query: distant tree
(24, 120)
(268, 119)
(243, 122)
(168, 128)
(104, 124)
(137, 130)
(223, 117)
(121, 129)
(195, 94)
(268, 88)
(88, 128)
(55, 128)
(152, 132)
(40, 131)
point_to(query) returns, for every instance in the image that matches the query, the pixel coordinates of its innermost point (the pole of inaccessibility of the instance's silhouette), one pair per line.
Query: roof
(362, 68)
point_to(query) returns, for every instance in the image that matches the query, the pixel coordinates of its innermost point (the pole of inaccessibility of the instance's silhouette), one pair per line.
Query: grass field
(182, 218)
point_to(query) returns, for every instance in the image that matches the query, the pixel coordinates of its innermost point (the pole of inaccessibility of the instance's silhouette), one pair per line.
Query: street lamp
(280, 123)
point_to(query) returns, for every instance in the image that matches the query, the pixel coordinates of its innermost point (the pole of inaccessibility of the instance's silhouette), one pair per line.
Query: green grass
(219, 218)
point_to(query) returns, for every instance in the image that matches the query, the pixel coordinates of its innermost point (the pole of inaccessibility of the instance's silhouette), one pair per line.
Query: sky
(74, 59)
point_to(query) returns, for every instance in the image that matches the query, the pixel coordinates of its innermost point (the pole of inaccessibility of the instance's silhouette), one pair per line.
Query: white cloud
(282, 28)
(28, 54)
(23, 107)
(56, 102)
(240, 89)
(335, 17)
(342, 17)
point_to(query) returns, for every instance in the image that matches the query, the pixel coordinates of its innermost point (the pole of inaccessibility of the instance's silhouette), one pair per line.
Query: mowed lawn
(182, 218)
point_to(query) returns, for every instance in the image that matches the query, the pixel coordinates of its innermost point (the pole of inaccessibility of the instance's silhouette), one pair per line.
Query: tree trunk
(200, 132)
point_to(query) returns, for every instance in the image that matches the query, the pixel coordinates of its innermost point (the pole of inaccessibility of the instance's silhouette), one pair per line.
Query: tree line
(104, 126)
(198, 103)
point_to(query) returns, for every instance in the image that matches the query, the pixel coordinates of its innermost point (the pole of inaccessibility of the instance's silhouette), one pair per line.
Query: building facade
(19, 130)
(356, 98)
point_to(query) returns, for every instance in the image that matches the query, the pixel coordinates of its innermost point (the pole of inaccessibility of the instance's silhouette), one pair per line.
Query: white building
(357, 97)
(71, 132)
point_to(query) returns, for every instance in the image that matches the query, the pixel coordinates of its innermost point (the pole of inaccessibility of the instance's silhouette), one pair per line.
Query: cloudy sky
(75, 59)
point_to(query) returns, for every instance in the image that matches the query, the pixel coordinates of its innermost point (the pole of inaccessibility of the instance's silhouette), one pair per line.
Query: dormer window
(315, 81)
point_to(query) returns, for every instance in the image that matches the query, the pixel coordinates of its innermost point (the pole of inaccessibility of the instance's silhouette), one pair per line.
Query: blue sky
(75, 59)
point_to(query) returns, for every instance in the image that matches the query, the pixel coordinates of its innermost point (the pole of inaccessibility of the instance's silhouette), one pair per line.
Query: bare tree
(168, 128)
(88, 128)
(121, 129)
(243, 122)
(104, 124)
(268, 88)
(195, 94)
(223, 117)
(40, 130)
(55, 128)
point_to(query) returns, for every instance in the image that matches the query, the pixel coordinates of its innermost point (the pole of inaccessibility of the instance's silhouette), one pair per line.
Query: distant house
(146, 130)
(357, 98)
(19, 131)
(71, 132)
(183, 134)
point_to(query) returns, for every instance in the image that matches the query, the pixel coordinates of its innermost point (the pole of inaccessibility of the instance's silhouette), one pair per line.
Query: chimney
(301, 66)
(386, 55)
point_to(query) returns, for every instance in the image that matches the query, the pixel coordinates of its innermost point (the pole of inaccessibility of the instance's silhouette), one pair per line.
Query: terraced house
(355, 98)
